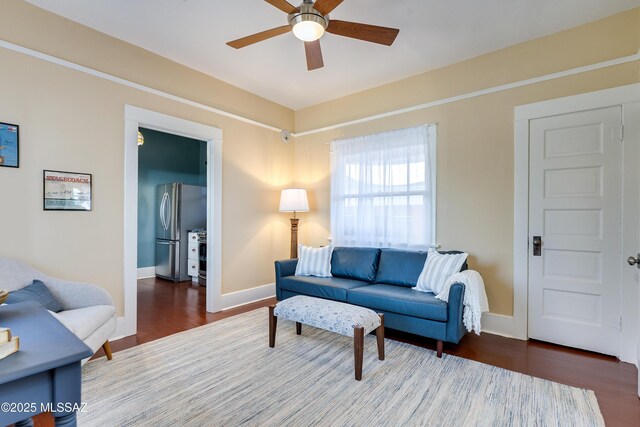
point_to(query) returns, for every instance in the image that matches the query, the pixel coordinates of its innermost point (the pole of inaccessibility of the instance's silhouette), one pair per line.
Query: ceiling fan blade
(258, 37)
(314, 55)
(283, 5)
(326, 6)
(366, 32)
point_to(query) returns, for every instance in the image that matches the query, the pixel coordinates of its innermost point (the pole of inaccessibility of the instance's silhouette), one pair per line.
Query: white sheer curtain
(382, 189)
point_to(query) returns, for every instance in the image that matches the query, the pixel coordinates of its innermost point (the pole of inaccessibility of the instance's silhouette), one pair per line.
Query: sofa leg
(440, 347)
(107, 349)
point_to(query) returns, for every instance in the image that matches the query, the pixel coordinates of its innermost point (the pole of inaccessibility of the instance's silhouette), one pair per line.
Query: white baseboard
(235, 299)
(498, 324)
(146, 272)
(119, 332)
(495, 324)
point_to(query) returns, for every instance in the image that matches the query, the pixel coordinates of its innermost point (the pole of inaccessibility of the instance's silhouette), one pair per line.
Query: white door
(575, 210)
(630, 339)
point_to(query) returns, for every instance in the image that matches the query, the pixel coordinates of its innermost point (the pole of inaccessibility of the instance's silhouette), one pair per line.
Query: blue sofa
(382, 280)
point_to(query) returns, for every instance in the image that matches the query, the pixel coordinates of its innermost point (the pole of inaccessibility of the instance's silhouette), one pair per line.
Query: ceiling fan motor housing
(308, 13)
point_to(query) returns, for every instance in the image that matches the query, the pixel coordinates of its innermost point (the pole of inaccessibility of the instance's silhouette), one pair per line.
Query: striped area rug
(224, 374)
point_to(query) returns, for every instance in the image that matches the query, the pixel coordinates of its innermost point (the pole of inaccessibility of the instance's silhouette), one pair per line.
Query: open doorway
(172, 223)
(135, 119)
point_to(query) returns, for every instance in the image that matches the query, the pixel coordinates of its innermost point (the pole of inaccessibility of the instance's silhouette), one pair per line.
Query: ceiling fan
(310, 20)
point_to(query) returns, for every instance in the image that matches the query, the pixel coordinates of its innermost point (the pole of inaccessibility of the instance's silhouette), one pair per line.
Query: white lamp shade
(294, 200)
(308, 31)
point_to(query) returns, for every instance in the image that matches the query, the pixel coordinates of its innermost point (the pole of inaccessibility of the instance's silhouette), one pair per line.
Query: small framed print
(9, 145)
(67, 191)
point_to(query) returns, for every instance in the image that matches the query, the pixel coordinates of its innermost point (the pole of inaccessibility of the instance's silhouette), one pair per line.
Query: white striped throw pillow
(314, 261)
(437, 269)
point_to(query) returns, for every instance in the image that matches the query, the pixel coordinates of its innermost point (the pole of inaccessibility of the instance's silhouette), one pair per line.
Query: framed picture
(9, 141)
(67, 191)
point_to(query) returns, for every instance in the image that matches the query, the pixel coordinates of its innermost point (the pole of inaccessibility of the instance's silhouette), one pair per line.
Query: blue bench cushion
(355, 263)
(323, 287)
(400, 267)
(399, 299)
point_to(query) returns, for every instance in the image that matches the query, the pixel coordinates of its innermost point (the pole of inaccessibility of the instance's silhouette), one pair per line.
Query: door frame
(135, 117)
(629, 98)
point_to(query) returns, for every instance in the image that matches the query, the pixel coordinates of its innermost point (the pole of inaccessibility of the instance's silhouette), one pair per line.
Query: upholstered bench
(338, 317)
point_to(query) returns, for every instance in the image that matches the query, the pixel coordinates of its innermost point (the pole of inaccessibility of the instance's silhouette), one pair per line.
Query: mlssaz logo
(63, 407)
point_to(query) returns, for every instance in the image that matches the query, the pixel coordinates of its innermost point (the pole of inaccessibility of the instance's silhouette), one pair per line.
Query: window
(383, 189)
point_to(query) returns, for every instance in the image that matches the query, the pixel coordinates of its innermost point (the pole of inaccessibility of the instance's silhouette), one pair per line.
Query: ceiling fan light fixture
(308, 31)
(308, 24)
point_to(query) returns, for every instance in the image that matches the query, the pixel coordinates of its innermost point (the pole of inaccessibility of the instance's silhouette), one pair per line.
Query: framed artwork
(66, 191)
(9, 142)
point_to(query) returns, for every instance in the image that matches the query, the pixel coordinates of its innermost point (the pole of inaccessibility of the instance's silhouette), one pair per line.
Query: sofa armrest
(455, 327)
(284, 268)
(73, 295)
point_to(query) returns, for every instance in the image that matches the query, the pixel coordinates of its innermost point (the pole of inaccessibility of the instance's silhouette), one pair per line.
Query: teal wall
(164, 158)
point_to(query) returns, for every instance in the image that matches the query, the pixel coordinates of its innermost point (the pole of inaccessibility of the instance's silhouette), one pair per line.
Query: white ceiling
(433, 33)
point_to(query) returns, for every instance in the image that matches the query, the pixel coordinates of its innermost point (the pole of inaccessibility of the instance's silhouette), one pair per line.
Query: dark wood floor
(165, 308)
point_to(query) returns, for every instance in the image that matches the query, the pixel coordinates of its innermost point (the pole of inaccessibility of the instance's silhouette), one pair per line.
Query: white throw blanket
(475, 300)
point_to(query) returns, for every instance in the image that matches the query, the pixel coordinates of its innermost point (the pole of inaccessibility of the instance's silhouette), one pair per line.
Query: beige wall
(73, 121)
(475, 136)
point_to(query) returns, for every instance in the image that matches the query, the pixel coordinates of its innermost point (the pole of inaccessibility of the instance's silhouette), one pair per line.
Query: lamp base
(294, 238)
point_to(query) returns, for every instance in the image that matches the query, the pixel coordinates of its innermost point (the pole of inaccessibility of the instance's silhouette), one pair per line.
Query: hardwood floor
(165, 308)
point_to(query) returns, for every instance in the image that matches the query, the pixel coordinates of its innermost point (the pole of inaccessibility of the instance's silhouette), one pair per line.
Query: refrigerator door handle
(160, 212)
(167, 212)
(163, 205)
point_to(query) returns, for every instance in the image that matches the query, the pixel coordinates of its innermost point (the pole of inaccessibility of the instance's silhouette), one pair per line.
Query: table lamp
(294, 200)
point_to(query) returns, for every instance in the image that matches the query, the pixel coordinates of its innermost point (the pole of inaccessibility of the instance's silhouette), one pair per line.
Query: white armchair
(88, 310)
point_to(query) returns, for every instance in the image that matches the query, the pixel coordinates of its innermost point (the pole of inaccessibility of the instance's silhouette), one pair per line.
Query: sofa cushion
(37, 291)
(399, 299)
(323, 287)
(355, 263)
(85, 321)
(400, 267)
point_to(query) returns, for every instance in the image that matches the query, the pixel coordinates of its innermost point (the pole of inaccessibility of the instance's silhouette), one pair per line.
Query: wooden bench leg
(380, 337)
(440, 347)
(273, 322)
(298, 328)
(107, 350)
(358, 350)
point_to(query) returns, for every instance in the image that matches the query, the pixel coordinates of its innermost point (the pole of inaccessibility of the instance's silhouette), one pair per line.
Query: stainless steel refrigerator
(180, 208)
